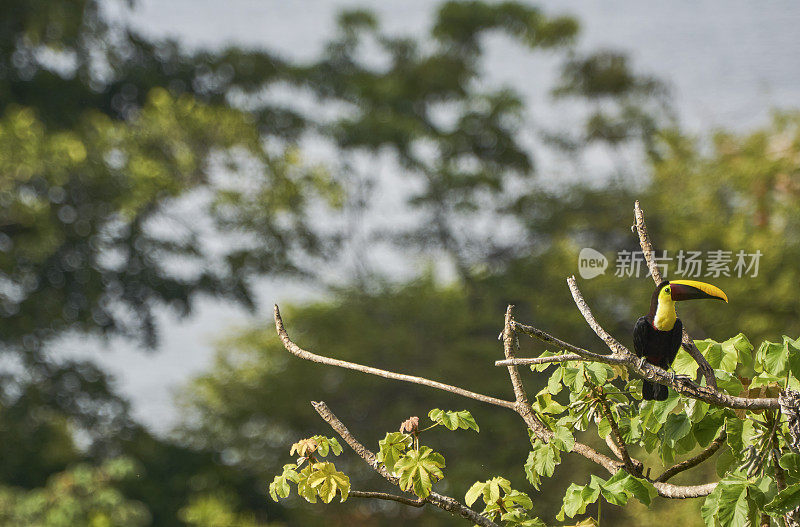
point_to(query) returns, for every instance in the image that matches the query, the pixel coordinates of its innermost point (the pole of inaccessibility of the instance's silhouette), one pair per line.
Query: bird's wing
(675, 338)
(640, 331)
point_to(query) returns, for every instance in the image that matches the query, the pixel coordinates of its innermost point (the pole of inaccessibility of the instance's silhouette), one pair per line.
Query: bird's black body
(659, 348)
(657, 335)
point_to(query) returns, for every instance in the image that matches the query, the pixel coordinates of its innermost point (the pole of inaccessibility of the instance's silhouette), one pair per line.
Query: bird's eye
(666, 290)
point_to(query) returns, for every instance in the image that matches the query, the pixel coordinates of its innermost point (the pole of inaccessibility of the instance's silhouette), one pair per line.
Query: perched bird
(657, 335)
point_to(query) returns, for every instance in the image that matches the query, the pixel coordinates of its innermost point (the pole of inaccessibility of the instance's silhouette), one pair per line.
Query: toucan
(657, 335)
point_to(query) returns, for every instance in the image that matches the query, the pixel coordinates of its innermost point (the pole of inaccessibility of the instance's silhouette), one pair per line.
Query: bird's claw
(642, 361)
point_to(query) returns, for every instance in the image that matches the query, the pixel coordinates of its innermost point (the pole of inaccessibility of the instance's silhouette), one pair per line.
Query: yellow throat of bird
(665, 315)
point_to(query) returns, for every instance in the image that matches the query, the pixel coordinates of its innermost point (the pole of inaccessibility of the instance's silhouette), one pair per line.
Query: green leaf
(712, 351)
(710, 507)
(618, 489)
(741, 433)
(603, 428)
(563, 439)
(792, 348)
(542, 367)
(576, 499)
(554, 384)
(728, 382)
(786, 500)
(766, 379)
(706, 430)
(392, 448)
(676, 427)
(631, 429)
(546, 404)
(791, 462)
(326, 481)
(661, 409)
(474, 492)
(573, 377)
(519, 518)
(419, 469)
(279, 488)
(454, 420)
(306, 491)
(772, 358)
(733, 505)
(697, 409)
(518, 499)
(685, 364)
(724, 461)
(641, 489)
(326, 444)
(741, 349)
(686, 444)
(613, 490)
(599, 373)
(542, 461)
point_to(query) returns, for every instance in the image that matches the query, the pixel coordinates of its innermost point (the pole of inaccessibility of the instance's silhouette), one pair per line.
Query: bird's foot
(642, 361)
(674, 376)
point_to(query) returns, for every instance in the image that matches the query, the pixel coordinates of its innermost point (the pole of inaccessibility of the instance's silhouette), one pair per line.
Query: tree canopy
(138, 175)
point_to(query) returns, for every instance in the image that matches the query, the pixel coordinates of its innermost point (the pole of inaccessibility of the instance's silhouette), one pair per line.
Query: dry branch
(709, 451)
(621, 450)
(389, 497)
(446, 503)
(296, 350)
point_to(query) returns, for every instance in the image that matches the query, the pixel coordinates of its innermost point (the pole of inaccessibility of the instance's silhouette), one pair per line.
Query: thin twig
(296, 350)
(615, 347)
(647, 250)
(540, 360)
(709, 451)
(446, 503)
(390, 497)
(635, 469)
(509, 341)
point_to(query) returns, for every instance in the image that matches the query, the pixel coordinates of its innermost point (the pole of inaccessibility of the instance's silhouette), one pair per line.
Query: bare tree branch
(633, 467)
(390, 497)
(615, 347)
(647, 250)
(446, 503)
(296, 350)
(509, 341)
(709, 451)
(681, 492)
(567, 357)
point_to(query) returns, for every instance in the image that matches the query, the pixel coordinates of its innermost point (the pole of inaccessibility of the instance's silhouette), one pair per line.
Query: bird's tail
(653, 391)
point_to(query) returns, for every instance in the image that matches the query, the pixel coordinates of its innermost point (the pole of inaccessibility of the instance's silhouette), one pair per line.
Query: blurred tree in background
(125, 161)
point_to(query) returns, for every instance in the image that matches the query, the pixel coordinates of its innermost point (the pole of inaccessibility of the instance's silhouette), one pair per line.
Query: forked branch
(296, 350)
(446, 503)
(709, 451)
